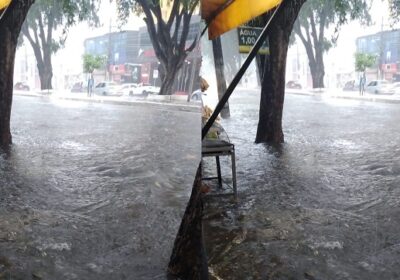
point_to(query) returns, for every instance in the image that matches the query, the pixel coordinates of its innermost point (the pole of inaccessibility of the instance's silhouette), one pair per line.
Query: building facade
(131, 58)
(386, 46)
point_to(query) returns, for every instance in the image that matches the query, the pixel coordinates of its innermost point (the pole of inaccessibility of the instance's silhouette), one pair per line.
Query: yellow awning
(232, 13)
(4, 4)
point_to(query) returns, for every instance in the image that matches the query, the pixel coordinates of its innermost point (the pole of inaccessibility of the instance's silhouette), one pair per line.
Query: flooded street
(97, 191)
(325, 205)
(94, 191)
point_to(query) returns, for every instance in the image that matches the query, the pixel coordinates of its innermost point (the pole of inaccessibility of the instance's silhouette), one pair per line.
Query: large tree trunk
(317, 70)
(7, 55)
(167, 81)
(188, 259)
(46, 75)
(10, 26)
(260, 62)
(168, 75)
(220, 74)
(273, 84)
(42, 51)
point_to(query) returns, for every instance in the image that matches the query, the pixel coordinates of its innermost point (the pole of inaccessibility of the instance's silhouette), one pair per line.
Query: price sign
(248, 37)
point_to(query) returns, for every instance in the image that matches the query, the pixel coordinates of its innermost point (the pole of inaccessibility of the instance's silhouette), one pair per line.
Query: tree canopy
(315, 18)
(46, 16)
(93, 62)
(395, 9)
(168, 32)
(364, 61)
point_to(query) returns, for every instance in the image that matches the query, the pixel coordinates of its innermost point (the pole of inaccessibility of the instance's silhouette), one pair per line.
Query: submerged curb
(177, 102)
(368, 98)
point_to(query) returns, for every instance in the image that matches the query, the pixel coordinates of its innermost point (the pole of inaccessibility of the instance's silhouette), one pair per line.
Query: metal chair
(216, 148)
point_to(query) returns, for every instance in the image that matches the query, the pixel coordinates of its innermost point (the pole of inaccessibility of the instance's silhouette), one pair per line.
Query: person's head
(203, 84)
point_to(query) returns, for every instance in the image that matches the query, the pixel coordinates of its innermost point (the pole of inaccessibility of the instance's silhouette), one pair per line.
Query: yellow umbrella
(224, 15)
(4, 4)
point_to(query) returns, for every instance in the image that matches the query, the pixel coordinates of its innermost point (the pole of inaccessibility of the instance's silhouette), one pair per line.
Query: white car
(207, 98)
(148, 89)
(106, 88)
(128, 89)
(378, 87)
(395, 88)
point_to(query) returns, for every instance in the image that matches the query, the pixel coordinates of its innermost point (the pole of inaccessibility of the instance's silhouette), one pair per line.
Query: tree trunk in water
(46, 75)
(168, 77)
(7, 51)
(260, 60)
(317, 73)
(273, 84)
(10, 26)
(188, 259)
(220, 74)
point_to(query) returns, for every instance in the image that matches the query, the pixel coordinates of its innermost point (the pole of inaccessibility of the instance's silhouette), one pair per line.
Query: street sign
(248, 37)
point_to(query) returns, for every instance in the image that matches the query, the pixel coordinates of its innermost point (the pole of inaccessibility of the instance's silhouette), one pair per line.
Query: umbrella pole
(238, 77)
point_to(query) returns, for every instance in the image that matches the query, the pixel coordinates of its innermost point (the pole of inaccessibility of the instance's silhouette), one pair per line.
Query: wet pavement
(324, 205)
(94, 191)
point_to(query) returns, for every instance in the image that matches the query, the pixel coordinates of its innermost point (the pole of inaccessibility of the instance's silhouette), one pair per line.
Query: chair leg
(219, 171)
(234, 174)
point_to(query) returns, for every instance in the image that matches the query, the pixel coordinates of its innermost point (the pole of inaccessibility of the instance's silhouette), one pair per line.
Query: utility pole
(381, 47)
(109, 52)
(219, 73)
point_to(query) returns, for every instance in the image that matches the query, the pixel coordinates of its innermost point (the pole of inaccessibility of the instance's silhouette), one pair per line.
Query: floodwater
(97, 191)
(324, 205)
(94, 191)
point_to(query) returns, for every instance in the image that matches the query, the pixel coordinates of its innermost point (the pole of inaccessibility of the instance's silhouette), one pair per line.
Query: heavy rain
(287, 111)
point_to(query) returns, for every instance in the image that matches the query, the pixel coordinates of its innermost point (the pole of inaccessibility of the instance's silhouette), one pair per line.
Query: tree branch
(177, 25)
(42, 35)
(34, 43)
(174, 13)
(316, 40)
(152, 30)
(306, 42)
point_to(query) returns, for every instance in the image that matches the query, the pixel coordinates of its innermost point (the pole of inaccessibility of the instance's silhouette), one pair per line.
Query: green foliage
(327, 13)
(138, 7)
(48, 15)
(315, 18)
(364, 61)
(168, 32)
(395, 9)
(92, 62)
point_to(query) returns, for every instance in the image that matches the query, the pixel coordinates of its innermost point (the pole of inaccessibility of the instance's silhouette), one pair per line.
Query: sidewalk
(179, 101)
(351, 95)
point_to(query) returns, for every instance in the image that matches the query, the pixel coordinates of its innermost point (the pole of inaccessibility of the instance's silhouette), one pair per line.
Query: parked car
(395, 88)
(148, 89)
(293, 84)
(207, 98)
(378, 87)
(79, 87)
(351, 86)
(106, 88)
(128, 89)
(21, 86)
(197, 95)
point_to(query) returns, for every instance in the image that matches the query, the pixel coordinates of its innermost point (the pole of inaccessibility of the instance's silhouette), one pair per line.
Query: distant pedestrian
(362, 83)
(90, 86)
